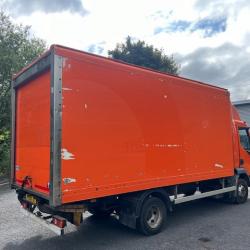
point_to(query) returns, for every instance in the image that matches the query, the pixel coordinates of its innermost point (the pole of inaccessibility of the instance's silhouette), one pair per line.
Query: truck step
(197, 196)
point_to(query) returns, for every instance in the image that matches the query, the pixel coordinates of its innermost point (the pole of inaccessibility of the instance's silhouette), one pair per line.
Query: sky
(210, 39)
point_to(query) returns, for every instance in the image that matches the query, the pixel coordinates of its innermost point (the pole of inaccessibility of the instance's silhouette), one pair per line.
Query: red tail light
(58, 221)
(24, 205)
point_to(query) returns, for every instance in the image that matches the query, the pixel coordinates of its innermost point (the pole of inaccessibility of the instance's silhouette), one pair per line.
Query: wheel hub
(154, 217)
(241, 190)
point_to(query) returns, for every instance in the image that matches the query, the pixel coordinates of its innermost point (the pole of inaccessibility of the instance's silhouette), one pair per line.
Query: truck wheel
(242, 192)
(152, 217)
(100, 213)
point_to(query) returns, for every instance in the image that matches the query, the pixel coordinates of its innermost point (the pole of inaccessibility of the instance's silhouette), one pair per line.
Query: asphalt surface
(204, 224)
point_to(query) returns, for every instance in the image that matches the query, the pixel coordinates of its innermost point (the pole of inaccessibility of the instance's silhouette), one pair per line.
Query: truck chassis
(145, 211)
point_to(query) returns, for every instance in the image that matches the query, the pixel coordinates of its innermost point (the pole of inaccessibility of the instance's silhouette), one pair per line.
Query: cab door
(244, 148)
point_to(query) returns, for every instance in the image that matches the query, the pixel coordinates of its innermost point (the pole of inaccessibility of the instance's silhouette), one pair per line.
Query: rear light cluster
(58, 221)
(24, 205)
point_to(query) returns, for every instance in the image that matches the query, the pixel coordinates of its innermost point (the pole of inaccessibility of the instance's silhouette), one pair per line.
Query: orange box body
(121, 129)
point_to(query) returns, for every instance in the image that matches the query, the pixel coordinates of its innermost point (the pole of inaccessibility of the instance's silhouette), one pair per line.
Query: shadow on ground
(109, 234)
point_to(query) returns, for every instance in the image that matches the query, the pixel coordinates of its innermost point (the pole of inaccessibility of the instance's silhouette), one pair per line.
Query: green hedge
(4, 152)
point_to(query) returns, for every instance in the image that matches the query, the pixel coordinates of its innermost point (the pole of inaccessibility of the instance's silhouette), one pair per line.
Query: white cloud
(26, 7)
(202, 58)
(57, 28)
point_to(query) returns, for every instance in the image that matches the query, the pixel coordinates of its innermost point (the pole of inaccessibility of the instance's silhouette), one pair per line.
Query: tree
(17, 49)
(139, 53)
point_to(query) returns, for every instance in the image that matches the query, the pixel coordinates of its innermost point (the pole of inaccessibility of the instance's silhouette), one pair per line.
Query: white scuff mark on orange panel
(161, 145)
(174, 145)
(85, 106)
(64, 62)
(69, 180)
(66, 155)
(166, 145)
(217, 165)
(67, 89)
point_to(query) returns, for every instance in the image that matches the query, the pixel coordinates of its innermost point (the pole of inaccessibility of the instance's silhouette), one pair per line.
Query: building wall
(244, 112)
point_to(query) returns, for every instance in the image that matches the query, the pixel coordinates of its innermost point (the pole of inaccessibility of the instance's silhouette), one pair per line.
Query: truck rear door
(32, 147)
(36, 128)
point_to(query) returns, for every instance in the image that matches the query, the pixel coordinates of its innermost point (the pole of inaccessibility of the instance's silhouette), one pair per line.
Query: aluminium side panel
(13, 132)
(55, 130)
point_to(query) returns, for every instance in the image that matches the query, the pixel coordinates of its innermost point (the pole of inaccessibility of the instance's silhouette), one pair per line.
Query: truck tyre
(152, 216)
(241, 194)
(100, 213)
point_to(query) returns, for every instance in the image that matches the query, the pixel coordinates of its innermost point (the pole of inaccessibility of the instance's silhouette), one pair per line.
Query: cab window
(244, 139)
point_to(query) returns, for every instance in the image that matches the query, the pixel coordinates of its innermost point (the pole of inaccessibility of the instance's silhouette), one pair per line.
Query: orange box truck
(94, 134)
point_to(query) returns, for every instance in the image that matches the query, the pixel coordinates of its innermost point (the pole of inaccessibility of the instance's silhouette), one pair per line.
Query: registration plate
(31, 199)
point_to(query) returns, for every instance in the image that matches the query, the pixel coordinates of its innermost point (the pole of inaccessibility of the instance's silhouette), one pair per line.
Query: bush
(18, 48)
(4, 152)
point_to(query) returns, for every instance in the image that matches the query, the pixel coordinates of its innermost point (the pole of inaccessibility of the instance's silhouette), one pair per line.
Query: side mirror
(241, 162)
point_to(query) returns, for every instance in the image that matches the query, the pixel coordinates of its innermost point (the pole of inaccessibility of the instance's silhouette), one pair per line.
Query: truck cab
(241, 142)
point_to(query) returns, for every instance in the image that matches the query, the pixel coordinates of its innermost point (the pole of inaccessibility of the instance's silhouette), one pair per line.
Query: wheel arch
(159, 193)
(242, 173)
